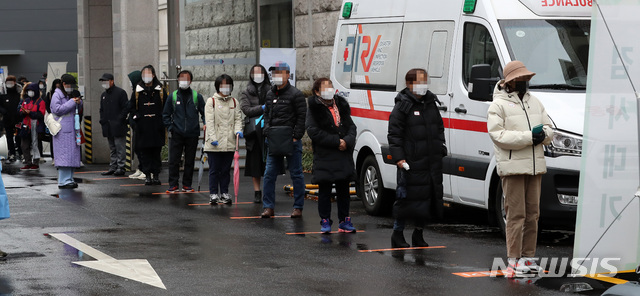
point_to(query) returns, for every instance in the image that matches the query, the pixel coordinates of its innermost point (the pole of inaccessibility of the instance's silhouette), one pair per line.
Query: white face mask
(31, 93)
(105, 84)
(258, 78)
(68, 89)
(11, 84)
(420, 89)
(278, 80)
(41, 86)
(183, 84)
(225, 91)
(327, 93)
(147, 79)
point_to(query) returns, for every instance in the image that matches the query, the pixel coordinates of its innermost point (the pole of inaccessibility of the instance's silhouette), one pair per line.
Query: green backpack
(195, 98)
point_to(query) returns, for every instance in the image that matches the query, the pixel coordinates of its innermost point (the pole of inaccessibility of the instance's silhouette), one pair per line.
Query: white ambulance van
(464, 45)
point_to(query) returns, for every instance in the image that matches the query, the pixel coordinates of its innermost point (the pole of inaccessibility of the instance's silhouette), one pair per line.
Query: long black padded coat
(416, 134)
(329, 163)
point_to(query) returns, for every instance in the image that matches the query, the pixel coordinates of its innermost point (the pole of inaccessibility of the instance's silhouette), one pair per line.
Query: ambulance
(464, 45)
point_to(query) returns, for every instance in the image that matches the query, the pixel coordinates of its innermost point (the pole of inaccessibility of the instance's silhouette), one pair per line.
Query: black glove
(538, 137)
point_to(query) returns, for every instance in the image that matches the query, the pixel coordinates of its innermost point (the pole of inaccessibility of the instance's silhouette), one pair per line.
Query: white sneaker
(225, 198)
(135, 175)
(532, 265)
(142, 176)
(214, 199)
(522, 270)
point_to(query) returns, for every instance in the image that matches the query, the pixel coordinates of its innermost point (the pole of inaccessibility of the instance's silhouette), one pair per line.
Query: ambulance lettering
(550, 3)
(368, 54)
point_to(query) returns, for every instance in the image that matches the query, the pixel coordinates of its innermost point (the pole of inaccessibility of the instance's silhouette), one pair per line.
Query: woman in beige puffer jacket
(521, 163)
(224, 121)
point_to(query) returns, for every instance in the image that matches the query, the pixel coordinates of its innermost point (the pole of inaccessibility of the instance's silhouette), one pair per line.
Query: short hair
(318, 84)
(186, 72)
(221, 78)
(11, 78)
(412, 75)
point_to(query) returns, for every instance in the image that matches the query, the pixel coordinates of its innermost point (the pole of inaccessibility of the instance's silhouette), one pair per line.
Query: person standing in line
(113, 119)
(512, 119)
(181, 117)
(252, 103)
(146, 110)
(285, 111)
(64, 106)
(417, 145)
(31, 110)
(9, 103)
(134, 78)
(333, 137)
(223, 119)
(57, 83)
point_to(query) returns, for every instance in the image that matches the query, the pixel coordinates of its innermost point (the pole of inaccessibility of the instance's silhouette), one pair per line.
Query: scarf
(333, 108)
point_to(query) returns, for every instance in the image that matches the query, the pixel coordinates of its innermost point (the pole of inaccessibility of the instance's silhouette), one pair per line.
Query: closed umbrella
(236, 169)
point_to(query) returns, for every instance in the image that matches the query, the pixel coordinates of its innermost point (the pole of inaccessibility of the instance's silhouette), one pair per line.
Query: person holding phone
(67, 151)
(518, 123)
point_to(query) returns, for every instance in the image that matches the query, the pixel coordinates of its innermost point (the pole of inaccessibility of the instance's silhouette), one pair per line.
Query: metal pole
(173, 21)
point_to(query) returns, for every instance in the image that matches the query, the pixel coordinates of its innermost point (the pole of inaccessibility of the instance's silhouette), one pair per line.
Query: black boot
(397, 240)
(148, 181)
(417, 241)
(155, 180)
(257, 198)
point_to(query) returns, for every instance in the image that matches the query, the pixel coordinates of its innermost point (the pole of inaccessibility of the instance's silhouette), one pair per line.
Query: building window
(276, 23)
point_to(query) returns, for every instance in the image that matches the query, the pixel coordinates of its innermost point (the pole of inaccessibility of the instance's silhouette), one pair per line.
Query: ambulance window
(478, 49)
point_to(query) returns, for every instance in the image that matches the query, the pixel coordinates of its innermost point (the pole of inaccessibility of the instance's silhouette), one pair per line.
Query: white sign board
(55, 71)
(269, 56)
(608, 219)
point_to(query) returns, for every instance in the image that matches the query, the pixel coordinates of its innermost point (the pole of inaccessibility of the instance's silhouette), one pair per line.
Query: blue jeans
(65, 176)
(219, 168)
(273, 168)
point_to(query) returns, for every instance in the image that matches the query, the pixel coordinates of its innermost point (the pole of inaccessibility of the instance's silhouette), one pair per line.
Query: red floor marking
(112, 178)
(157, 193)
(401, 249)
(129, 185)
(314, 232)
(257, 217)
(474, 274)
(208, 204)
(89, 172)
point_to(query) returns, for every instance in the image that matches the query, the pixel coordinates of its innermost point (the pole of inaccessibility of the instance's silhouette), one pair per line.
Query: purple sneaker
(346, 226)
(325, 226)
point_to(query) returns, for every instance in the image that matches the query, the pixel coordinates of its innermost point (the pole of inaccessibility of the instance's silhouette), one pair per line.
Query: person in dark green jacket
(180, 116)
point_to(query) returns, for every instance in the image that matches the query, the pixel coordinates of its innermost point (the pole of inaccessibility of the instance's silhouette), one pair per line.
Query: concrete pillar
(115, 36)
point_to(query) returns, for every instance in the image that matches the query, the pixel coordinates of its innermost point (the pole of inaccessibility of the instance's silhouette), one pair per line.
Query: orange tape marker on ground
(400, 249)
(158, 193)
(315, 232)
(112, 178)
(89, 172)
(130, 185)
(475, 274)
(239, 203)
(256, 217)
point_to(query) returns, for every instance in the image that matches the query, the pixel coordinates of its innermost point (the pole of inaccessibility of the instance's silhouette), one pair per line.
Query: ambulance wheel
(371, 191)
(500, 213)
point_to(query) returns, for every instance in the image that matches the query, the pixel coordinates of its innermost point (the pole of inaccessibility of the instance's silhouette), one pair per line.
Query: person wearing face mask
(511, 121)
(42, 87)
(146, 105)
(31, 110)
(113, 119)
(252, 103)
(134, 78)
(285, 111)
(47, 101)
(417, 145)
(9, 103)
(333, 137)
(181, 117)
(224, 122)
(67, 152)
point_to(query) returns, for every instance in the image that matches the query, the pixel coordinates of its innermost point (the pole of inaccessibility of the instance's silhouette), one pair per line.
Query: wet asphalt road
(200, 250)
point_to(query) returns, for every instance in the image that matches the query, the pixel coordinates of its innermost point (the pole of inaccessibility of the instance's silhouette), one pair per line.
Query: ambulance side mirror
(481, 83)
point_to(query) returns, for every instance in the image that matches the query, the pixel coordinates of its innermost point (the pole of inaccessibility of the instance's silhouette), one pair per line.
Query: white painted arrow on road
(134, 269)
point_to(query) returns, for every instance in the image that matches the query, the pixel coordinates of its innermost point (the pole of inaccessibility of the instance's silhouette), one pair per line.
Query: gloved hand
(240, 134)
(214, 143)
(538, 137)
(263, 107)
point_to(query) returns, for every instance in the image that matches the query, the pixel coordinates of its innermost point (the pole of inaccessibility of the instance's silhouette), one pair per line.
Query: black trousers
(177, 145)
(151, 160)
(11, 144)
(343, 200)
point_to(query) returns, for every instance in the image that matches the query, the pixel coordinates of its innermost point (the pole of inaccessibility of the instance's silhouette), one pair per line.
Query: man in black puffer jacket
(417, 145)
(285, 106)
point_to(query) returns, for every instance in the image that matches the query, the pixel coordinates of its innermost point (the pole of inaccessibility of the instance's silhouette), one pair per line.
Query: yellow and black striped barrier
(88, 145)
(127, 162)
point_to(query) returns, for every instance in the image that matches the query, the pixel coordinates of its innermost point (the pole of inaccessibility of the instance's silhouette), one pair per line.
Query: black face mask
(521, 87)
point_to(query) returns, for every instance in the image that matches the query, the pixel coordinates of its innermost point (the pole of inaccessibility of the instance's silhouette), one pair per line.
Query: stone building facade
(219, 29)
